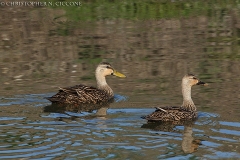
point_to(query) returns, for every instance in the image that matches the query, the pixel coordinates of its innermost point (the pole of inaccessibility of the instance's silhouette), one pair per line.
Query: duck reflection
(101, 110)
(56, 108)
(189, 144)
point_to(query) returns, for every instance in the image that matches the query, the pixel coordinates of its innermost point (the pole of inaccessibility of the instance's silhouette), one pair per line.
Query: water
(29, 132)
(154, 44)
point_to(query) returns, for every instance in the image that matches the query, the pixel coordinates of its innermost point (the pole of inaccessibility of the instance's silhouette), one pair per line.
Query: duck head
(191, 80)
(106, 69)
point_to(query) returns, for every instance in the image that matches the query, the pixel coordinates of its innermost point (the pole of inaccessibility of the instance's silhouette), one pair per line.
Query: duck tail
(52, 99)
(143, 117)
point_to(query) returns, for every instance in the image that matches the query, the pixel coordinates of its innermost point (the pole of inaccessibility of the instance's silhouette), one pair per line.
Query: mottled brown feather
(80, 94)
(171, 114)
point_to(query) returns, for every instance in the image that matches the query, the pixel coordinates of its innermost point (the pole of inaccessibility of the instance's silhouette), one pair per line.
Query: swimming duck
(82, 94)
(186, 112)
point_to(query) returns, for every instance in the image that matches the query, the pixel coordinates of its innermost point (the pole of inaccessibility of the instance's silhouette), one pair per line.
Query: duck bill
(118, 74)
(202, 83)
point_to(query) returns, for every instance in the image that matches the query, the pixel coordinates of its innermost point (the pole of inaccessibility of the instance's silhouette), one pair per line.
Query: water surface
(154, 44)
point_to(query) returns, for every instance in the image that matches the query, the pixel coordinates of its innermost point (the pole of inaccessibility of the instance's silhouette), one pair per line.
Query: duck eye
(194, 78)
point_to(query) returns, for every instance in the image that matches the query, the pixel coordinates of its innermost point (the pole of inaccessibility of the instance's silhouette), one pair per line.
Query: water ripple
(37, 135)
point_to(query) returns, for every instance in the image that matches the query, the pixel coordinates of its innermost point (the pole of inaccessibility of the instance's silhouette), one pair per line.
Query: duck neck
(187, 100)
(102, 84)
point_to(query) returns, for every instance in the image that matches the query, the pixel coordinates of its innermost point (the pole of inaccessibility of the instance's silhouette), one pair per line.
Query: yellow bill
(118, 74)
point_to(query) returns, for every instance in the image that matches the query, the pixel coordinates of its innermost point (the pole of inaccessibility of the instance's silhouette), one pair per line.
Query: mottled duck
(82, 94)
(186, 112)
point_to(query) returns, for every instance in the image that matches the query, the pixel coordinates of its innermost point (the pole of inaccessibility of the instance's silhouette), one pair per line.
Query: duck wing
(171, 113)
(80, 94)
